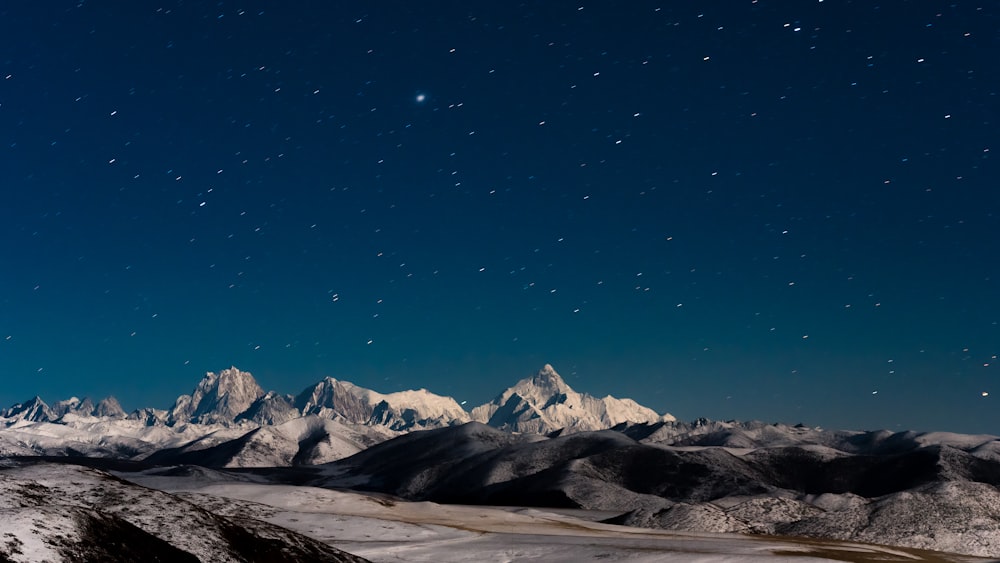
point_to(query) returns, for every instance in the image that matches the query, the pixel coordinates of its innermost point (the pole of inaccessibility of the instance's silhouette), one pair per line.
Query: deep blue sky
(785, 211)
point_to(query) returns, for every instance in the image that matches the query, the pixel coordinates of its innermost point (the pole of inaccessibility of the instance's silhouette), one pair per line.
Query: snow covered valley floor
(383, 529)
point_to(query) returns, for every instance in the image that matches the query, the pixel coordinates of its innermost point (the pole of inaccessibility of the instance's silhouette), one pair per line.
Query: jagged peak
(326, 385)
(108, 406)
(323, 384)
(540, 402)
(219, 397)
(540, 388)
(34, 402)
(545, 402)
(34, 409)
(228, 380)
(230, 374)
(548, 374)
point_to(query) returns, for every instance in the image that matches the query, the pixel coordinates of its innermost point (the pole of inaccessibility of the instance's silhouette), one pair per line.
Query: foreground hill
(70, 513)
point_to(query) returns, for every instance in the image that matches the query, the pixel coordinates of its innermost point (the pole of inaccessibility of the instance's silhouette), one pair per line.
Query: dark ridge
(110, 539)
(620, 520)
(638, 432)
(214, 456)
(541, 489)
(102, 463)
(306, 447)
(513, 496)
(300, 475)
(868, 476)
(688, 476)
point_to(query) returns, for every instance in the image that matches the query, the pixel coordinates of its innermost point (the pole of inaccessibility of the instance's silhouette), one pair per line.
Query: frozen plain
(383, 529)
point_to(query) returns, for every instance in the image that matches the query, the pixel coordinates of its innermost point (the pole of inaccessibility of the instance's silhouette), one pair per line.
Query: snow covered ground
(51, 513)
(383, 529)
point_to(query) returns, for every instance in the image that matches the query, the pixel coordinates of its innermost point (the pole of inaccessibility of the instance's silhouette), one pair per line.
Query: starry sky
(753, 209)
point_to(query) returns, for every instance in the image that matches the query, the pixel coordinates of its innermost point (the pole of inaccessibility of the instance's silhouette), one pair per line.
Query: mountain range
(230, 417)
(540, 443)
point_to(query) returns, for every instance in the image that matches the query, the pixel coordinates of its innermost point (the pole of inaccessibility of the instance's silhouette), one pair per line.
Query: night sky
(784, 211)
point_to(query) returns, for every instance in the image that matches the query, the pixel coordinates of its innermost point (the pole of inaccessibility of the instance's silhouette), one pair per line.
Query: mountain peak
(548, 377)
(109, 407)
(545, 403)
(539, 403)
(32, 410)
(541, 388)
(234, 378)
(218, 398)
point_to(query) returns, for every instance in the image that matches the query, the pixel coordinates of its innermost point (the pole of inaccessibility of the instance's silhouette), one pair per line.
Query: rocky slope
(69, 513)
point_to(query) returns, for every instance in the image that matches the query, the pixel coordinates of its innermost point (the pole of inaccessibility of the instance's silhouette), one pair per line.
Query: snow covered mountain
(232, 398)
(308, 440)
(218, 398)
(229, 420)
(108, 407)
(331, 396)
(401, 411)
(544, 403)
(104, 437)
(36, 410)
(271, 408)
